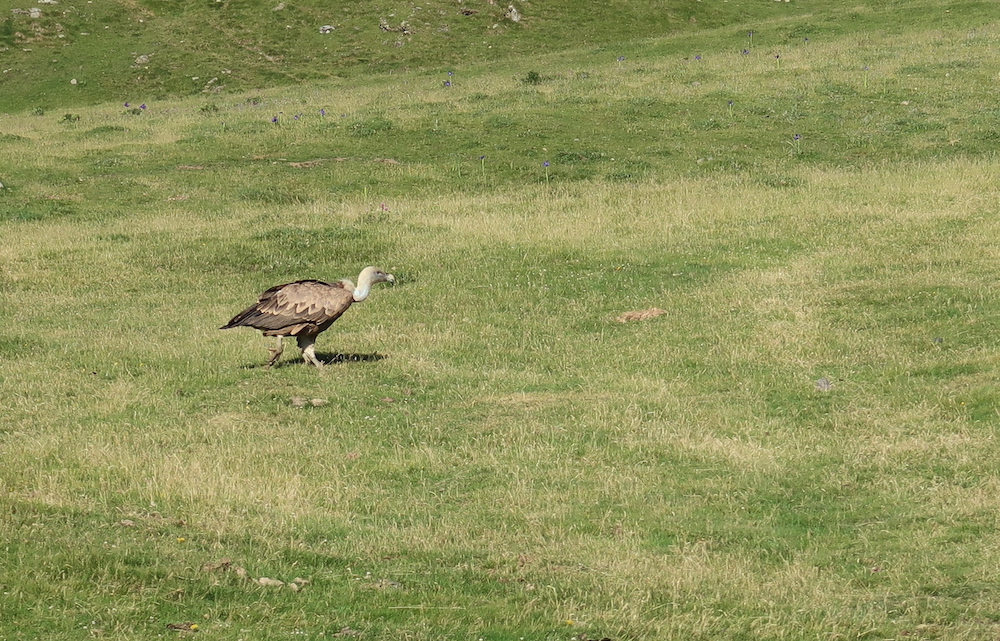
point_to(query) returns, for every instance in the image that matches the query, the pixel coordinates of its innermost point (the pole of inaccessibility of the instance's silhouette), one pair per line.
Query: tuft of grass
(532, 78)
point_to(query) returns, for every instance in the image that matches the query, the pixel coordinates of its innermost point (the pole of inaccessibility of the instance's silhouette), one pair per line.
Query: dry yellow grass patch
(640, 315)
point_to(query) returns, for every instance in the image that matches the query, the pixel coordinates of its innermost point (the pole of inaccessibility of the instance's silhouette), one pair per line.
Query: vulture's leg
(308, 346)
(276, 350)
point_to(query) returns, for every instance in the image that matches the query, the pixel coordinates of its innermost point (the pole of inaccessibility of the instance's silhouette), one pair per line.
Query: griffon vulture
(305, 308)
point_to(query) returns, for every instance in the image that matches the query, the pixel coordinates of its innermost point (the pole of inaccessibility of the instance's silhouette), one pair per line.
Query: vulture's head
(369, 276)
(376, 275)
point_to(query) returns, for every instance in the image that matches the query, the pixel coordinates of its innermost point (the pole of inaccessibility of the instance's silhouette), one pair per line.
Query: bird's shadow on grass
(325, 358)
(338, 357)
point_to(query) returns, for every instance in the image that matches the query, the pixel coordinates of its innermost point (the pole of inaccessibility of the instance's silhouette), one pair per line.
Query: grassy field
(803, 446)
(160, 48)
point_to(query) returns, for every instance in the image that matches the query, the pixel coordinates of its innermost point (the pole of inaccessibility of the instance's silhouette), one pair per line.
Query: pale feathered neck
(364, 284)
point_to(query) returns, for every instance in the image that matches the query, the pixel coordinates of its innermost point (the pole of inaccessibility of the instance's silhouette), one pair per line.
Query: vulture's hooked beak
(389, 278)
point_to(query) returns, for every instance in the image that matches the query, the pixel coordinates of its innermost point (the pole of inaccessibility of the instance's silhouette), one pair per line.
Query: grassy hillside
(118, 50)
(802, 446)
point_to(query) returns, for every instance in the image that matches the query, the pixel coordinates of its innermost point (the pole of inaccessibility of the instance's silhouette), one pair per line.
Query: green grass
(142, 50)
(499, 458)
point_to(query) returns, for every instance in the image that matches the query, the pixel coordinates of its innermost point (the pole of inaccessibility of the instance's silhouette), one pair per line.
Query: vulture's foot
(309, 356)
(276, 351)
(308, 346)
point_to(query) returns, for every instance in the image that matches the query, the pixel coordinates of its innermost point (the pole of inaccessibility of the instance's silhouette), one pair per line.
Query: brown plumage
(304, 309)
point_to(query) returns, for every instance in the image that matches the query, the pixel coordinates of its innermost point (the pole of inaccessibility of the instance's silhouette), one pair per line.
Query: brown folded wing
(300, 308)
